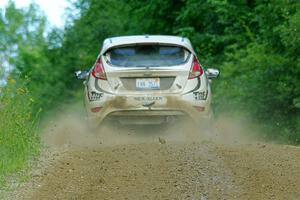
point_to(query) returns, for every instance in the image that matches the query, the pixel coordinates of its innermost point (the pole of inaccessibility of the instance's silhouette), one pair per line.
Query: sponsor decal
(95, 96)
(148, 98)
(200, 95)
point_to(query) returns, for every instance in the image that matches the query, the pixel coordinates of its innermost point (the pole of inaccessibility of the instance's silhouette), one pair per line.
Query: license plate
(147, 83)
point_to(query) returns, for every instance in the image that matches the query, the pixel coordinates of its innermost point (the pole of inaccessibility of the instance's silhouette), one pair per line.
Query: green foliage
(19, 140)
(264, 86)
(263, 78)
(21, 56)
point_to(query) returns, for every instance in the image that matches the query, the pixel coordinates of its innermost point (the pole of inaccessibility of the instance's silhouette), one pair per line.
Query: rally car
(147, 79)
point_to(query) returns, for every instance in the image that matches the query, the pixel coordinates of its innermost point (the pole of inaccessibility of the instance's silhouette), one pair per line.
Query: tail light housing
(196, 69)
(98, 70)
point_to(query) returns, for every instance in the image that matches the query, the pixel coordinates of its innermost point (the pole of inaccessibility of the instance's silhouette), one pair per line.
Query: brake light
(196, 69)
(98, 70)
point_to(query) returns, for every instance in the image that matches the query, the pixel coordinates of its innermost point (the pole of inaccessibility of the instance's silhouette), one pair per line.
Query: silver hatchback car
(148, 79)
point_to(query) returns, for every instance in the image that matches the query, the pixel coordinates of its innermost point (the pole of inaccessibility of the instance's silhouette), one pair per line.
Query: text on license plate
(148, 83)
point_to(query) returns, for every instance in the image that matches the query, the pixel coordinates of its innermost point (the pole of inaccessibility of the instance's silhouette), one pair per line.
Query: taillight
(196, 69)
(98, 70)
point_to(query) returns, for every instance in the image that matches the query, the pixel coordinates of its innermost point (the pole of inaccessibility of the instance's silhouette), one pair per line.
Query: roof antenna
(146, 36)
(110, 40)
(182, 39)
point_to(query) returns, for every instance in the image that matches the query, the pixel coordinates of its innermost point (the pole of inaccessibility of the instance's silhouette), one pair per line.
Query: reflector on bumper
(95, 109)
(199, 108)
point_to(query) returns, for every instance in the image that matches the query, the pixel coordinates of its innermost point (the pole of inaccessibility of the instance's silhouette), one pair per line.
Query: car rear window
(147, 56)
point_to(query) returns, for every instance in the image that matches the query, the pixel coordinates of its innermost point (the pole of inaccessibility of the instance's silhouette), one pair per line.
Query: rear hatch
(147, 68)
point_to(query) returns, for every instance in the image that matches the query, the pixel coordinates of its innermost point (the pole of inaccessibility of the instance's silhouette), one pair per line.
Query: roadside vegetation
(255, 44)
(19, 140)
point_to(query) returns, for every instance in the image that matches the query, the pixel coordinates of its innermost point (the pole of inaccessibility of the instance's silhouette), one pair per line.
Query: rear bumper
(147, 117)
(146, 113)
(126, 107)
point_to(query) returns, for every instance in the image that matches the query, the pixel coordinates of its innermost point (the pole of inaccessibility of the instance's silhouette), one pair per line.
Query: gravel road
(160, 163)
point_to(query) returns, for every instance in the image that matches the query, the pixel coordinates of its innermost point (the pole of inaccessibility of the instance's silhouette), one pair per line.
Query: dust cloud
(235, 130)
(69, 129)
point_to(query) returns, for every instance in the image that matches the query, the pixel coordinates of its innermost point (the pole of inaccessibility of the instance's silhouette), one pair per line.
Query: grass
(19, 140)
